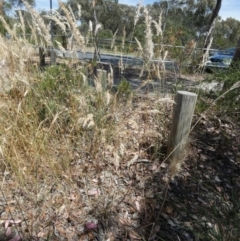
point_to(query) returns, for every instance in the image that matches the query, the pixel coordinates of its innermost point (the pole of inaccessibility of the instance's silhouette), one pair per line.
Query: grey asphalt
(166, 85)
(108, 58)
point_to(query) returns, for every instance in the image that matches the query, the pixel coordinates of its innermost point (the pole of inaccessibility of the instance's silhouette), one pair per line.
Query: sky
(230, 8)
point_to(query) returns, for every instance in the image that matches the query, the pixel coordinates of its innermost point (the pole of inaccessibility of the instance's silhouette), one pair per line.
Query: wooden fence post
(182, 118)
(102, 76)
(42, 56)
(53, 56)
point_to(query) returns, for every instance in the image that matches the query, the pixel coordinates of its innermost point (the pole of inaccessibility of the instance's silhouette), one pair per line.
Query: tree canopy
(182, 20)
(8, 4)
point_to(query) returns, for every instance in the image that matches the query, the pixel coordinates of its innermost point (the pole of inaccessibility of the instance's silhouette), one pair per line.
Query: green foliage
(84, 28)
(57, 80)
(203, 103)
(229, 103)
(52, 94)
(2, 28)
(229, 77)
(182, 21)
(105, 33)
(124, 89)
(139, 32)
(107, 12)
(17, 3)
(226, 33)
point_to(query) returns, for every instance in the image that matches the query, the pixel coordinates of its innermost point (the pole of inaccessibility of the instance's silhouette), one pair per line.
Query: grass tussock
(65, 144)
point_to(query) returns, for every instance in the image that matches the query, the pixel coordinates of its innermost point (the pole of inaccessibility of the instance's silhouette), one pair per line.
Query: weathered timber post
(182, 118)
(102, 76)
(42, 56)
(53, 56)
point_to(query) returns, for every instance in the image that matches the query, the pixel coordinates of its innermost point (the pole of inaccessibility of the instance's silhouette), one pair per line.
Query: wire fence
(187, 57)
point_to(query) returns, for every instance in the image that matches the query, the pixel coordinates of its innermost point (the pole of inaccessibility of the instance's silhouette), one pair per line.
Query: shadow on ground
(202, 202)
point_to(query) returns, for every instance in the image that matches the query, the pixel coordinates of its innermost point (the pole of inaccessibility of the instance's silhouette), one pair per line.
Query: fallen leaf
(217, 138)
(149, 194)
(202, 201)
(91, 225)
(188, 225)
(209, 224)
(203, 157)
(8, 231)
(8, 224)
(134, 235)
(70, 235)
(10, 209)
(133, 160)
(73, 197)
(61, 231)
(124, 221)
(169, 210)
(187, 236)
(218, 188)
(171, 223)
(157, 228)
(228, 186)
(93, 192)
(15, 238)
(41, 234)
(164, 165)
(61, 209)
(153, 167)
(90, 236)
(83, 237)
(137, 205)
(217, 179)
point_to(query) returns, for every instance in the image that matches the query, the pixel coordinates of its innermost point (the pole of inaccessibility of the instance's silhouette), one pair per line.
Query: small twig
(124, 195)
(163, 202)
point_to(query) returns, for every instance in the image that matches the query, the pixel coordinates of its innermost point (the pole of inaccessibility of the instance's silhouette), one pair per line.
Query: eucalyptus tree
(184, 20)
(4, 7)
(8, 4)
(19, 3)
(226, 33)
(211, 25)
(106, 10)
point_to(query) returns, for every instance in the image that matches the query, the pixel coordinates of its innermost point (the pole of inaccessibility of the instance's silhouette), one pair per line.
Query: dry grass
(68, 149)
(66, 153)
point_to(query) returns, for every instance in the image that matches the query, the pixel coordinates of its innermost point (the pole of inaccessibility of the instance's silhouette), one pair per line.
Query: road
(170, 77)
(112, 59)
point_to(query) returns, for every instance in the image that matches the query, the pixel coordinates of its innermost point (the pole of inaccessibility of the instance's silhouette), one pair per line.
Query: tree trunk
(236, 57)
(209, 38)
(212, 23)
(42, 56)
